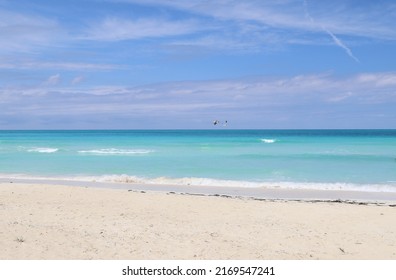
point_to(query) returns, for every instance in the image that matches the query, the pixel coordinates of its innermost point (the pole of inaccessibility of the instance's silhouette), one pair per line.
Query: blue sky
(142, 64)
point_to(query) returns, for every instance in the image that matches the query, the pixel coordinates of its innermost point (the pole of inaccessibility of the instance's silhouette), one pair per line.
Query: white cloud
(339, 17)
(301, 87)
(340, 97)
(23, 32)
(52, 80)
(252, 26)
(77, 80)
(26, 65)
(302, 97)
(378, 79)
(312, 86)
(116, 29)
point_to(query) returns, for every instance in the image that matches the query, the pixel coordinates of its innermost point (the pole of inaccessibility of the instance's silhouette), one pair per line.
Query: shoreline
(80, 222)
(234, 192)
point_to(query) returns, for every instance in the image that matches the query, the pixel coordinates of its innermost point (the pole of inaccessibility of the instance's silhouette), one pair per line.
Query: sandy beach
(62, 222)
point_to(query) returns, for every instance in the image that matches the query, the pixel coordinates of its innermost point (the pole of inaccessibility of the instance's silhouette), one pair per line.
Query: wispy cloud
(184, 101)
(22, 32)
(29, 64)
(55, 62)
(118, 29)
(53, 80)
(378, 80)
(228, 25)
(290, 15)
(317, 86)
(253, 26)
(77, 80)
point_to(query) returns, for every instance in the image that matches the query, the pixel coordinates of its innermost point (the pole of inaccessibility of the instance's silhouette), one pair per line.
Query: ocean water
(317, 159)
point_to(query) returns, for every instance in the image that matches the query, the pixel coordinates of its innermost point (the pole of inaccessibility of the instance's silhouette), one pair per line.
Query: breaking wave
(43, 150)
(268, 141)
(113, 151)
(388, 187)
(195, 181)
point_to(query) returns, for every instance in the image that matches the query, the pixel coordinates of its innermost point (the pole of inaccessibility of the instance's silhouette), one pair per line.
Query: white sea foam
(184, 181)
(195, 181)
(336, 186)
(389, 187)
(113, 151)
(43, 150)
(268, 141)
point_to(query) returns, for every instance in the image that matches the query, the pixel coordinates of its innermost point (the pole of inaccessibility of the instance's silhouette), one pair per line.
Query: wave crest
(113, 151)
(43, 150)
(268, 141)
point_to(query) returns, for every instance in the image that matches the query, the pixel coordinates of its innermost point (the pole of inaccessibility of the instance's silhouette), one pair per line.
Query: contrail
(336, 40)
(306, 11)
(341, 44)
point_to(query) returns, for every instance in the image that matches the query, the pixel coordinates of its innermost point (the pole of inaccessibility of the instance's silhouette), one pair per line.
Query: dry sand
(63, 222)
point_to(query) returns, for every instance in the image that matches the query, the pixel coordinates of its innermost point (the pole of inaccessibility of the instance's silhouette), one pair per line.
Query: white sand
(61, 222)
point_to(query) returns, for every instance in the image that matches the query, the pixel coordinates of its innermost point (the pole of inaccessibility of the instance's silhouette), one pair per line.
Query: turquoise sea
(318, 159)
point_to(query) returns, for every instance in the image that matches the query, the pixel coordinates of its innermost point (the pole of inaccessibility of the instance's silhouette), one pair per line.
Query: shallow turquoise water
(285, 158)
